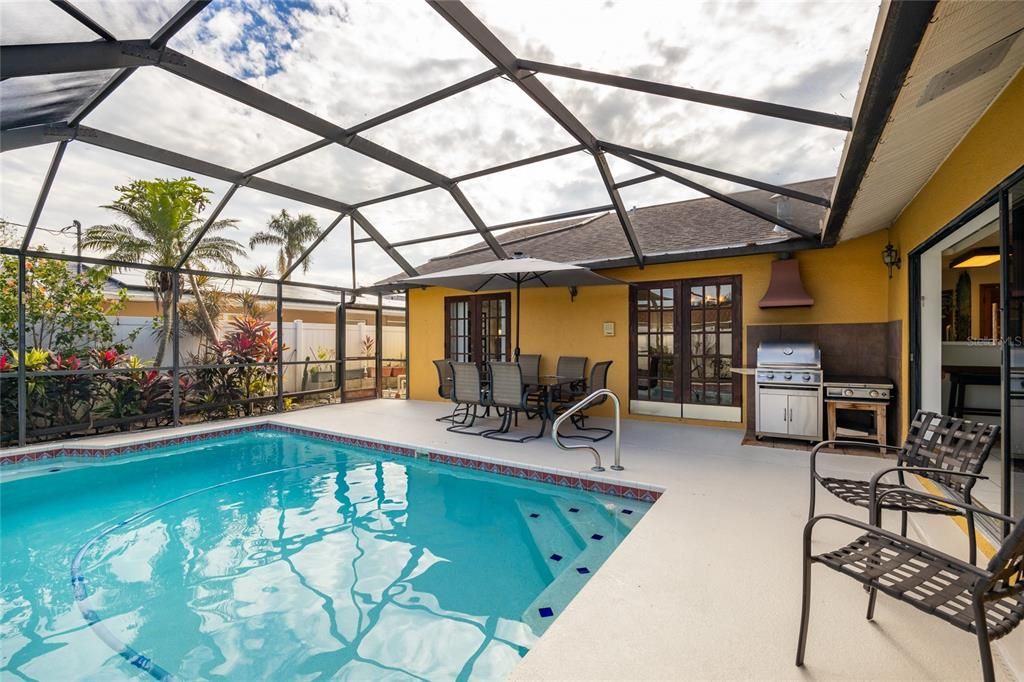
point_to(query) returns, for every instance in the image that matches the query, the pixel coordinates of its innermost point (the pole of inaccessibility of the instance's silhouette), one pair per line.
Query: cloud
(349, 61)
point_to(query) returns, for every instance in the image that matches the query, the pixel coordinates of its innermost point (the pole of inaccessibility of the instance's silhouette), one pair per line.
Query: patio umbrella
(504, 274)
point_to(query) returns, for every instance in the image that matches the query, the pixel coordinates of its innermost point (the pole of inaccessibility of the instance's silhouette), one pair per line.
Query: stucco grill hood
(786, 289)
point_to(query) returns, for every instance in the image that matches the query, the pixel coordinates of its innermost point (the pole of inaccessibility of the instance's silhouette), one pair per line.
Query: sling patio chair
(598, 381)
(530, 364)
(988, 602)
(571, 367)
(469, 392)
(510, 395)
(444, 389)
(943, 449)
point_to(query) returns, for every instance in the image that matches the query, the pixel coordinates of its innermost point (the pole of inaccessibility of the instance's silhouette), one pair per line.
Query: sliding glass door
(967, 333)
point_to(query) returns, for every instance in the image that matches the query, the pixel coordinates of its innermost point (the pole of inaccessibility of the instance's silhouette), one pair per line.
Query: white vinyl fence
(302, 339)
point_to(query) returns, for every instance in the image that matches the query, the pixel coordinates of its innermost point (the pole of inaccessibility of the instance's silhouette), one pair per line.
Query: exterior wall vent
(978, 64)
(785, 288)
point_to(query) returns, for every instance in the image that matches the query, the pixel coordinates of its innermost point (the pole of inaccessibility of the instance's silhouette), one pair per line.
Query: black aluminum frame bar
(724, 198)
(752, 106)
(704, 170)
(84, 19)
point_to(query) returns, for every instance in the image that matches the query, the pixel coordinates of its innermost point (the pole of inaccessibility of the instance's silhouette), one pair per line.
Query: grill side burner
(858, 389)
(788, 382)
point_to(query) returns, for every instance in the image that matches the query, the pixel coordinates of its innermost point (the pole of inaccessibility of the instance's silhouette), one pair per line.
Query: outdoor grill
(789, 390)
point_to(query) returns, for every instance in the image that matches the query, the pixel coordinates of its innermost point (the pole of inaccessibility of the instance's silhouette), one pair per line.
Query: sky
(349, 61)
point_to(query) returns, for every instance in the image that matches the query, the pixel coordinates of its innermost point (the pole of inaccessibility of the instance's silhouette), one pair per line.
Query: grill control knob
(847, 391)
(770, 375)
(873, 394)
(807, 377)
(788, 376)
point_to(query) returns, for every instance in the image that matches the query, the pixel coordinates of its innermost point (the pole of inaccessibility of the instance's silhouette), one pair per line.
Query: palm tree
(159, 219)
(290, 235)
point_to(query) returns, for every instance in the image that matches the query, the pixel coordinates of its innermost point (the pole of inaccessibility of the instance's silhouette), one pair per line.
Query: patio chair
(988, 602)
(571, 367)
(943, 449)
(510, 395)
(530, 364)
(444, 389)
(468, 391)
(598, 380)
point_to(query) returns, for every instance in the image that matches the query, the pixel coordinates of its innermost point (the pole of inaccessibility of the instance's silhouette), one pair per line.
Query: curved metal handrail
(576, 408)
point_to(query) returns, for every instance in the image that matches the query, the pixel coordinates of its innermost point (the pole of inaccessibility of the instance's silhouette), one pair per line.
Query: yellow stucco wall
(848, 284)
(988, 154)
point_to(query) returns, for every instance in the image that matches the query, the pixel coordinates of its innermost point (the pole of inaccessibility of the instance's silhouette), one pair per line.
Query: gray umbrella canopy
(504, 274)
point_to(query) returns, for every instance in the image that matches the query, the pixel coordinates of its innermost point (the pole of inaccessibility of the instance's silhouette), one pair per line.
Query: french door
(477, 328)
(685, 339)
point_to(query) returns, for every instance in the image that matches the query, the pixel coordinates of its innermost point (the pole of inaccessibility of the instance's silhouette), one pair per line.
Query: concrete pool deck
(708, 584)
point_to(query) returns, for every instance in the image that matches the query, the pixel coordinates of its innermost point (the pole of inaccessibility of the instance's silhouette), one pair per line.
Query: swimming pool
(269, 555)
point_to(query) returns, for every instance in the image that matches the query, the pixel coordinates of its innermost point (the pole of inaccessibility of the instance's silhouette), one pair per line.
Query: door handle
(791, 414)
(784, 418)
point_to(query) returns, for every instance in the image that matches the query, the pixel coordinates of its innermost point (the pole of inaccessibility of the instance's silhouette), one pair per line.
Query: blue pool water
(282, 557)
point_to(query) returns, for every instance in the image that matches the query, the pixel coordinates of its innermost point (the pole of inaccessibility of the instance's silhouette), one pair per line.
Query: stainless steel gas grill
(789, 390)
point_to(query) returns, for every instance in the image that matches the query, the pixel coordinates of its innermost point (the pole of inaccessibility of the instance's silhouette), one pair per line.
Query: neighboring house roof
(681, 227)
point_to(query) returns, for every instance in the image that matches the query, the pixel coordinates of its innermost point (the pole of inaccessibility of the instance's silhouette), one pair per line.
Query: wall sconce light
(891, 258)
(573, 292)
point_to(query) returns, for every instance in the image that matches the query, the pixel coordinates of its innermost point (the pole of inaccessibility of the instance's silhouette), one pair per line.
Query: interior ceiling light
(976, 258)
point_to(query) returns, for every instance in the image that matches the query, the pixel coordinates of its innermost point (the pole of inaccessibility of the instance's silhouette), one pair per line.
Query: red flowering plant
(243, 373)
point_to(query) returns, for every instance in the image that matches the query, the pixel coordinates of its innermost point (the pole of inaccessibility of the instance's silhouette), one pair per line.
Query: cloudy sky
(348, 61)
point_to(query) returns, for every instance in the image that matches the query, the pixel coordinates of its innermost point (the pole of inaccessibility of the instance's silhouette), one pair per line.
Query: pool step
(599, 531)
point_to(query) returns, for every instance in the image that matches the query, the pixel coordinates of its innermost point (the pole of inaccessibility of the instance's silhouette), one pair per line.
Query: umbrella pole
(516, 355)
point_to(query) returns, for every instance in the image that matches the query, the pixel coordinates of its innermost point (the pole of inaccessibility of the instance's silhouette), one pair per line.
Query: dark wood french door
(477, 328)
(685, 338)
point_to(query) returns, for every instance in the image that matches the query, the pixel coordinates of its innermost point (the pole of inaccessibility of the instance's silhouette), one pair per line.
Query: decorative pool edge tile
(566, 479)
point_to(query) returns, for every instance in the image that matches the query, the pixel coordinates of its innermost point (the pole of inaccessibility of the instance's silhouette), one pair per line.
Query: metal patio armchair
(511, 395)
(598, 380)
(946, 450)
(468, 391)
(988, 602)
(445, 384)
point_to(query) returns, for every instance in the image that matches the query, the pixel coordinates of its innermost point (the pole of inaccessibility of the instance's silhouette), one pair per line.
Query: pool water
(275, 556)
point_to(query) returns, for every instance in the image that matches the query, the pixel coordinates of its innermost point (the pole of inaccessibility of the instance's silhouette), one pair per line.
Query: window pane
(725, 294)
(696, 297)
(696, 393)
(642, 321)
(666, 344)
(667, 321)
(725, 344)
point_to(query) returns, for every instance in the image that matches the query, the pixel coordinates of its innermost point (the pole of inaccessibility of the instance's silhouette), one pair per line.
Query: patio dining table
(545, 385)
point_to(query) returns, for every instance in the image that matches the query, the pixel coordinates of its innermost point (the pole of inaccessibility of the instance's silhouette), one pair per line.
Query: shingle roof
(681, 226)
